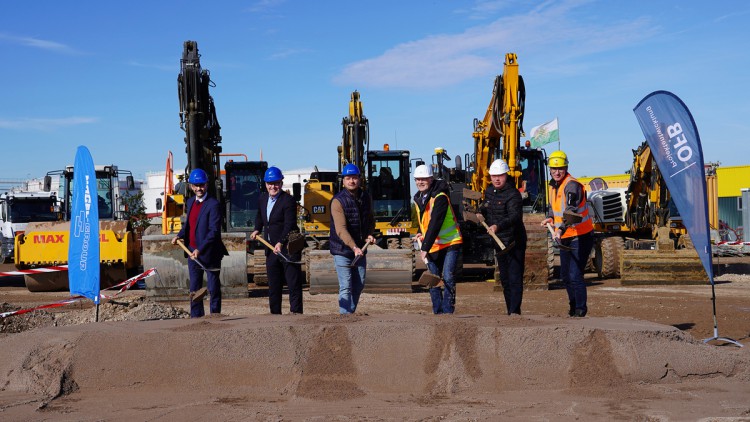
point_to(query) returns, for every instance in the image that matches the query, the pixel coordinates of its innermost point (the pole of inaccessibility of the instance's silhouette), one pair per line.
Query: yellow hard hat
(558, 159)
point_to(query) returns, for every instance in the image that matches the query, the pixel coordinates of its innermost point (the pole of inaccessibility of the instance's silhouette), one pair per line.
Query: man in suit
(202, 235)
(277, 217)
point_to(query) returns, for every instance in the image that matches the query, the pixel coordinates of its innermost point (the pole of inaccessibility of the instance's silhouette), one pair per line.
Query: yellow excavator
(391, 266)
(633, 223)
(237, 188)
(498, 135)
(46, 244)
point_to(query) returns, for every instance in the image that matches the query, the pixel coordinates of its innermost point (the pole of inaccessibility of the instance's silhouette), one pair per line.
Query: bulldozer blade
(662, 267)
(388, 271)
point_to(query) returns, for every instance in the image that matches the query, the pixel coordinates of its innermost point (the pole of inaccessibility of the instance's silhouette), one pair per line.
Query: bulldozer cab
(244, 185)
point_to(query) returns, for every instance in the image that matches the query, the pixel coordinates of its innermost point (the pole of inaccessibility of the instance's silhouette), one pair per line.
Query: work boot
(198, 294)
(572, 310)
(580, 313)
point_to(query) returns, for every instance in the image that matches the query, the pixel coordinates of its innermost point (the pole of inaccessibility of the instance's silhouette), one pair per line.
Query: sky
(104, 75)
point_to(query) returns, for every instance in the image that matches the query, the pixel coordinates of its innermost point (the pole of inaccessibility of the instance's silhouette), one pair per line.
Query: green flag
(545, 134)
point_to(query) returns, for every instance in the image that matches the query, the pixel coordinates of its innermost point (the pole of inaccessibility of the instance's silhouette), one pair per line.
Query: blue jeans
(572, 265)
(214, 289)
(444, 262)
(351, 282)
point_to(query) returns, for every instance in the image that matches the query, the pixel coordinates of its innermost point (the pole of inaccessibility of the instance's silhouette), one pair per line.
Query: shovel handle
(184, 248)
(260, 239)
(356, 258)
(419, 250)
(494, 236)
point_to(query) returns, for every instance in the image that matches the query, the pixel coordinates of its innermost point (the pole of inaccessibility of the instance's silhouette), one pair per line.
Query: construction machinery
(390, 267)
(45, 244)
(498, 135)
(17, 210)
(631, 223)
(239, 200)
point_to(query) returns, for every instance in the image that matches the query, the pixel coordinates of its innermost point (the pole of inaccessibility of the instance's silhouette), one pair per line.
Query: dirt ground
(639, 355)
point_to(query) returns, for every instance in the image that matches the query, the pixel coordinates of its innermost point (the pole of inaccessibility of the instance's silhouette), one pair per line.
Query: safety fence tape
(122, 287)
(726, 242)
(35, 271)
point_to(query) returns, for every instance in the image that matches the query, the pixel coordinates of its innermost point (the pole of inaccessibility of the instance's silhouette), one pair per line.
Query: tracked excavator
(240, 198)
(639, 232)
(45, 244)
(390, 266)
(498, 135)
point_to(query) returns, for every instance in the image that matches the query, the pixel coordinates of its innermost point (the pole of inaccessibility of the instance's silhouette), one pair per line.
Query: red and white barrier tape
(35, 271)
(123, 286)
(735, 243)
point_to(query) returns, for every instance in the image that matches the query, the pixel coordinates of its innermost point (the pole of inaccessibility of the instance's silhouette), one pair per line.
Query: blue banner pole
(675, 143)
(83, 249)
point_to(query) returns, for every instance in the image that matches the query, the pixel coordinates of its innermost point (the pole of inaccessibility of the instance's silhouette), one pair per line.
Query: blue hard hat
(350, 170)
(273, 174)
(197, 177)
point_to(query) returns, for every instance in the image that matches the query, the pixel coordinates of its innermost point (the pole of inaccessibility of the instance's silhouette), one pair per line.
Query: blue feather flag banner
(673, 137)
(83, 249)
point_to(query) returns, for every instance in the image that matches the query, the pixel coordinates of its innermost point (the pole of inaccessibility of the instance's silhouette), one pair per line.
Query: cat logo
(319, 209)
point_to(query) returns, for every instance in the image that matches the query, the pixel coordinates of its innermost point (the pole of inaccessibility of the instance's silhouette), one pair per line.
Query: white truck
(17, 209)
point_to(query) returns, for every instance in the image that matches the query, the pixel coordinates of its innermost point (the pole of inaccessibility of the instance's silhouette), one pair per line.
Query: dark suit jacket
(283, 219)
(207, 232)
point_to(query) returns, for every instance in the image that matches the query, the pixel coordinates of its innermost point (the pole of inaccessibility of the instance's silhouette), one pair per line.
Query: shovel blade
(427, 279)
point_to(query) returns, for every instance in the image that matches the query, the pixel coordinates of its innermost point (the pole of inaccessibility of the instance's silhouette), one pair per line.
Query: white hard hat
(498, 167)
(423, 171)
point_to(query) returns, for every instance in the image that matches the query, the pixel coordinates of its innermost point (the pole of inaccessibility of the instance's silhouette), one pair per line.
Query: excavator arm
(500, 132)
(355, 139)
(198, 118)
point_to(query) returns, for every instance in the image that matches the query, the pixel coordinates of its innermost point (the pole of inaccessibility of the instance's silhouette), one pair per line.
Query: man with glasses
(277, 217)
(202, 235)
(572, 229)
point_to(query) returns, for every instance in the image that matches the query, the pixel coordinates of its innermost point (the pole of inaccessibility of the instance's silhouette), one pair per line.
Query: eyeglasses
(557, 170)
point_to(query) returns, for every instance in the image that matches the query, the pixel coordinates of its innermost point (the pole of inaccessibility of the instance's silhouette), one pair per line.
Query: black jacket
(283, 219)
(504, 208)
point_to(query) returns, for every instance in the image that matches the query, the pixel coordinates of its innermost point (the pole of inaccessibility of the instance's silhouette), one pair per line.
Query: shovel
(503, 248)
(356, 258)
(427, 278)
(558, 244)
(263, 241)
(200, 264)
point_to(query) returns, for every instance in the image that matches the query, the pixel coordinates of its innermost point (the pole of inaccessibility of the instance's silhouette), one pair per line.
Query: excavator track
(537, 265)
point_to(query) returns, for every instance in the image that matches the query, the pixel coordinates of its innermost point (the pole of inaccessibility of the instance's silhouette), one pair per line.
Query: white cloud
(40, 44)
(549, 31)
(45, 124)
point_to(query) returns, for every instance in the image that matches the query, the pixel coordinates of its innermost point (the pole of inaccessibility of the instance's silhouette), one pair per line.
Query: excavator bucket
(388, 271)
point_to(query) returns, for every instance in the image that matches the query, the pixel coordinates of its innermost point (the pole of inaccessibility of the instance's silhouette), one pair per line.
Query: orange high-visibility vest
(558, 207)
(449, 232)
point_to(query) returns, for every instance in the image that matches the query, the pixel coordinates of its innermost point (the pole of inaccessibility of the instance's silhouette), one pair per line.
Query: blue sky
(104, 74)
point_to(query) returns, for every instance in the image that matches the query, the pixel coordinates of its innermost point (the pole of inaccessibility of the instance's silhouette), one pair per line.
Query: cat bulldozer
(498, 135)
(45, 244)
(639, 233)
(385, 176)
